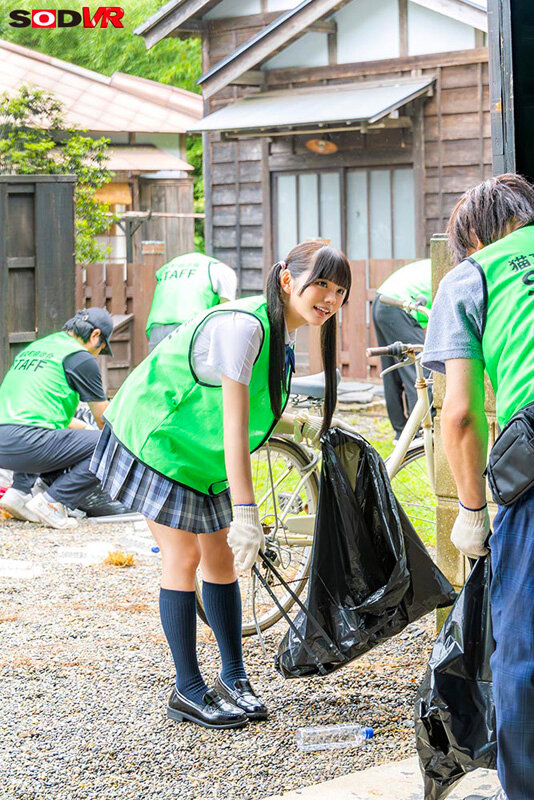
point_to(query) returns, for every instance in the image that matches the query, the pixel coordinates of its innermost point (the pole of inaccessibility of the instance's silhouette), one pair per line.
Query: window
(369, 213)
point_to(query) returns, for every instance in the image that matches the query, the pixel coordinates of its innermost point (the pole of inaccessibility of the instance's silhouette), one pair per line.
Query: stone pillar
(449, 560)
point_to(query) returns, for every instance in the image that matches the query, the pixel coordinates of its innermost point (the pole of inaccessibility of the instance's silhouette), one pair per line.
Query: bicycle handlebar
(395, 350)
(406, 305)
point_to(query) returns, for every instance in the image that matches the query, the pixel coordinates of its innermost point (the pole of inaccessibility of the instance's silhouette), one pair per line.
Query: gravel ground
(86, 672)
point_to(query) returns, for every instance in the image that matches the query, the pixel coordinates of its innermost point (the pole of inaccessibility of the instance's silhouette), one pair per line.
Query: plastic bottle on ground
(332, 737)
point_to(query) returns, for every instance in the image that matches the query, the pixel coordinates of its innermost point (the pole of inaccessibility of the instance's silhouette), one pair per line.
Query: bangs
(331, 265)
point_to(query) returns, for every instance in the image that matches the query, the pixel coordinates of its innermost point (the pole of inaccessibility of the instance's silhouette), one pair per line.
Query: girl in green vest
(177, 447)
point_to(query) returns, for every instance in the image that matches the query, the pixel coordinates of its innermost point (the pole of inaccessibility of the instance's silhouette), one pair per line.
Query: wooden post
(144, 283)
(449, 559)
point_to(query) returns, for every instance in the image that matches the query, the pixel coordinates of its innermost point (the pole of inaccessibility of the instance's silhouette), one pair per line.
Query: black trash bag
(370, 574)
(455, 714)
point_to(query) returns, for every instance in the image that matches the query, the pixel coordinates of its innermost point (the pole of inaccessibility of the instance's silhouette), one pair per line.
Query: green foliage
(108, 50)
(35, 139)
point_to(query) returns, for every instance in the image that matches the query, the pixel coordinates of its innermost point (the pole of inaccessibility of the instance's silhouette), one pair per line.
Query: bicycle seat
(311, 385)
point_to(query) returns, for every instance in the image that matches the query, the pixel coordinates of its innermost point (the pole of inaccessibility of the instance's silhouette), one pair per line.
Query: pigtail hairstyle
(277, 361)
(489, 211)
(322, 262)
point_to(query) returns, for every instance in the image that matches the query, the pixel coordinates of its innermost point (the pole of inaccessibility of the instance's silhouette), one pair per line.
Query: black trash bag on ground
(98, 503)
(455, 714)
(370, 574)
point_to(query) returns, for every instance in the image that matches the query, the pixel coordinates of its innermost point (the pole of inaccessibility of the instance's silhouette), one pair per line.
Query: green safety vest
(171, 421)
(35, 389)
(508, 339)
(183, 289)
(408, 282)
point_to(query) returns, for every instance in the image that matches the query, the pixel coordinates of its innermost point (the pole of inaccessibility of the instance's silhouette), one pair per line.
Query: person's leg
(23, 481)
(410, 331)
(385, 334)
(180, 554)
(222, 603)
(512, 664)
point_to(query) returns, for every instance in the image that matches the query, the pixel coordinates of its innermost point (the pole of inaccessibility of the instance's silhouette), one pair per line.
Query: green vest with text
(35, 390)
(166, 417)
(408, 283)
(183, 289)
(508, 339)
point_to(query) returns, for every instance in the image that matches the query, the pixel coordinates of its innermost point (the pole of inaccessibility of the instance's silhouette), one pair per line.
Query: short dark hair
(486, 212)
(79, 327)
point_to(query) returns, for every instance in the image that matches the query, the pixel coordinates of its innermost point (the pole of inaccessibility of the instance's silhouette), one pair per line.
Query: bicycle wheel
(286, 490)
(413, 490)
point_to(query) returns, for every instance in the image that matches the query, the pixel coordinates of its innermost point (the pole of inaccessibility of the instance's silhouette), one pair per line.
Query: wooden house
(357, 120)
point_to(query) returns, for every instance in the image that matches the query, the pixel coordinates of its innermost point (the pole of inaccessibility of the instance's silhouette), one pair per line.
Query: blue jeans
(512, 664)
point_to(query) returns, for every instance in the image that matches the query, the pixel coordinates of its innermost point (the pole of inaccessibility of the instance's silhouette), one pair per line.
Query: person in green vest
(176, 449)
(483, 321)
(185, 286)
(394, 324)
(38, 432)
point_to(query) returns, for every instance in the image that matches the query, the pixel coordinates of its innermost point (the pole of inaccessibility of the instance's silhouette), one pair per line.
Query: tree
(35, 139)
(174, 61)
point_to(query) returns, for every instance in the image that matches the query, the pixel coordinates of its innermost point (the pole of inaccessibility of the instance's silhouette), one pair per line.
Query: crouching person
(38, 433)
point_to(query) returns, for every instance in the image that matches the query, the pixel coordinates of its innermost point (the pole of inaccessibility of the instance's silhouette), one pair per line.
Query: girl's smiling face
(318, 302)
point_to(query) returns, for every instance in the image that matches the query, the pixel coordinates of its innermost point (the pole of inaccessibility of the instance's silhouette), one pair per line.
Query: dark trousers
(512, 664)
(61, 457)
(391, 325)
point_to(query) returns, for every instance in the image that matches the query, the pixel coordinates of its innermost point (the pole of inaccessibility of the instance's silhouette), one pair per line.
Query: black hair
(81, 328)
(489, 211)
(329, 264)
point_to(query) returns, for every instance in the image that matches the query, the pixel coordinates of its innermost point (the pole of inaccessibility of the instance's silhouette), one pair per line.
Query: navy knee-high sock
(179, 622)
(222, 604)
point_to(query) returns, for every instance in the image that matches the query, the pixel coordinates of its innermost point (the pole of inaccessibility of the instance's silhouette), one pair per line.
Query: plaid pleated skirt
(158, 498)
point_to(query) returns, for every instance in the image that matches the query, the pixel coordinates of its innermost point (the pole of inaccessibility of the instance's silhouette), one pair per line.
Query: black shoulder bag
(510, 469)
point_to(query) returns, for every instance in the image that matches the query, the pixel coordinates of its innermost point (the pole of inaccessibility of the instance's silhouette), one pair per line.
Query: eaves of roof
(292, 24)
(171, 17)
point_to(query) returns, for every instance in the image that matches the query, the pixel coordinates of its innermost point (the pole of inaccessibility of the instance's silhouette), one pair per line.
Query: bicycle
(286, 480)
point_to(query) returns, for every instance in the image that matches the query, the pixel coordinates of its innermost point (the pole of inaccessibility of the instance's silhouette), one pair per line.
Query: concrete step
(398, 780)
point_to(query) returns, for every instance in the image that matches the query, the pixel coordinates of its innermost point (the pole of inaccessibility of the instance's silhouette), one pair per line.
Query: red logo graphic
(44, 18)
(67, 18)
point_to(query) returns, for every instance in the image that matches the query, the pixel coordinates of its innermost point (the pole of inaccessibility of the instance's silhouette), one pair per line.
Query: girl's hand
(306, 427)
(245, 536)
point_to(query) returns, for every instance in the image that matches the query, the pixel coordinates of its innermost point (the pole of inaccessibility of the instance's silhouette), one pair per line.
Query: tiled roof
(97, 102)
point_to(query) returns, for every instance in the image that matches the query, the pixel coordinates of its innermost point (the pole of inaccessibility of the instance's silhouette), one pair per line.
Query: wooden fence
(126, 290)
(36, 259)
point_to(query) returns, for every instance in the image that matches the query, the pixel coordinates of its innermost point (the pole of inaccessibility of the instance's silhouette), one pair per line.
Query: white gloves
(470, 531)
(306, 427)
(245, 536)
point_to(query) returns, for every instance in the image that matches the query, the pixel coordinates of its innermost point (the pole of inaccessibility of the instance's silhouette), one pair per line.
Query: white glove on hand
(306, 427)
(470, 531)
(245, 536)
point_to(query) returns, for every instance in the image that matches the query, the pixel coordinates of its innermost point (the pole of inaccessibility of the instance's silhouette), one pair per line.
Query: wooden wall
(449, 144)
(447, 140)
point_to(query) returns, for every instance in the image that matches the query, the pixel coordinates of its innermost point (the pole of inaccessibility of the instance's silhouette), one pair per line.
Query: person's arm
(464, 428)
(236, 442)
(97, 409)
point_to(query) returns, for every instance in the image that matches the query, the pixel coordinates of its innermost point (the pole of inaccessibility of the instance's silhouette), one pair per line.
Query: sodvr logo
(67, 18)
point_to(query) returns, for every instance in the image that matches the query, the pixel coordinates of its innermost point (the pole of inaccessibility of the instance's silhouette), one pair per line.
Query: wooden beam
(456, 9)
(155, 29)
(254, 77)
(312, 75)
(403, 28)
(269, 44)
